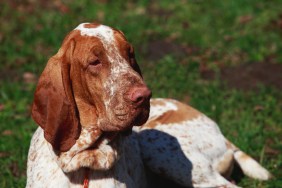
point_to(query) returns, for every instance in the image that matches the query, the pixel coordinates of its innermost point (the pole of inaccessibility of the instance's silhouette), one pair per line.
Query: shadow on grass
(163, 154)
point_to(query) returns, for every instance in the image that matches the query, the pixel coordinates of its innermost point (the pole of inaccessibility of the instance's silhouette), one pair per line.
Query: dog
(87, 100)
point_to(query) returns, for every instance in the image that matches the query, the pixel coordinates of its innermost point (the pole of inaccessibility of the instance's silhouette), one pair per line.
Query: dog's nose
(138, 95)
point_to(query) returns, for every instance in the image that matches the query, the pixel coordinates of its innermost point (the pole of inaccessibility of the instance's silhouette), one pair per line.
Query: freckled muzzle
(132, 109)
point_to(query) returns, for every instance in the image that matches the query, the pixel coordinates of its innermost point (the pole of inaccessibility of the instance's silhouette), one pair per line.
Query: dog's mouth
(123, 119)
(132, 115)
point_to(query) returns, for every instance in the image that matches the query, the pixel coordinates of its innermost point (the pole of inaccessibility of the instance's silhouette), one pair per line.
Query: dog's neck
(124, 173)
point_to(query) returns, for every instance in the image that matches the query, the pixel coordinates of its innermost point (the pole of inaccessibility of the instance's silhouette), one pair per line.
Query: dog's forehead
(104, 33)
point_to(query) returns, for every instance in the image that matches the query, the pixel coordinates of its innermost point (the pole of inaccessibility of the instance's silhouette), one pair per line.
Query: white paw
(106, 157)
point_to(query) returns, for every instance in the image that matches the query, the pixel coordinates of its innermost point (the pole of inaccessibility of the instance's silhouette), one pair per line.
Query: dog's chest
(128, 171)
(43, 170)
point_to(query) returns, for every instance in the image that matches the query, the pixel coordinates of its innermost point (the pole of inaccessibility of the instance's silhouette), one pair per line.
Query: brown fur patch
(225, 166)
(91, 25)
(229, 145)
(87, 50)
(32, 156)
(244, 156)
(183, 113)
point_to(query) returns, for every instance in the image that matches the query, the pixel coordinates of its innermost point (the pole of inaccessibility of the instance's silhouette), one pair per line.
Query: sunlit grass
(206, 35)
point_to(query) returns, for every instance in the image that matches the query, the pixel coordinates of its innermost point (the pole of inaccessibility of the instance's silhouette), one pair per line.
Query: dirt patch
(15, 170)
(9, 75)
(276, 23)
(26, 6)
(250, 76)
(155, 10)
(158, 49)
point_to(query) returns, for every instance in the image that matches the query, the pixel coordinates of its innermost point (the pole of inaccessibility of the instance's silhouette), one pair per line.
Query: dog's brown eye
(95, 62)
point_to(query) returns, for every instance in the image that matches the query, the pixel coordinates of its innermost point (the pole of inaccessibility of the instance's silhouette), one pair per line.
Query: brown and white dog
(88, 98)
(184, 145)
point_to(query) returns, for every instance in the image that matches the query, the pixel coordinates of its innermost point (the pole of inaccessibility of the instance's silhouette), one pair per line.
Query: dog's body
(44, 171)
(90, 95)
(184, 145)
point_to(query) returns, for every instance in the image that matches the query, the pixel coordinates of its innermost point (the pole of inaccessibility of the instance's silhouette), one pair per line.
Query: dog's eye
(94, 65)
(95, 62)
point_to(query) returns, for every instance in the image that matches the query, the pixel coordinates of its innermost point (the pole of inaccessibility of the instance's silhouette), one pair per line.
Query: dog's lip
(121, 114)
(120, 110)
(122, 117)
(125, 115)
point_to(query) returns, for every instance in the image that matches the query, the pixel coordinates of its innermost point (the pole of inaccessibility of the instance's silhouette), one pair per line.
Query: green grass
(211, 34)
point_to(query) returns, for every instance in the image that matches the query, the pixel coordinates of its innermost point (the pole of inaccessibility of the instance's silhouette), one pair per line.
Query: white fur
(199, 140)
(158, 110)
(102, 32)
(189, 151)
(248, 165)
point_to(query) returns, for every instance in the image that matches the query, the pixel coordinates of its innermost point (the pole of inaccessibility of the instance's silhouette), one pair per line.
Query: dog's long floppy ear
(54, 108)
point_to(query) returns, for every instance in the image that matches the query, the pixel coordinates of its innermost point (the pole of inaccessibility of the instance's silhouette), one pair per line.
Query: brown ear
(54, 108)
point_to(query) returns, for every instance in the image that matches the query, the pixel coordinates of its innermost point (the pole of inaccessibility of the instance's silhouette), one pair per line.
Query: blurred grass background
(222, 57)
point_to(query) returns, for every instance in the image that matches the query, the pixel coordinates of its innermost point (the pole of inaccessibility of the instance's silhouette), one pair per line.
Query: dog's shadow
(163, 154)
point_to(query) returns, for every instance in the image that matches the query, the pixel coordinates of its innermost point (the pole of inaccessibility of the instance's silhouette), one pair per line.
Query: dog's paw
(105, 158)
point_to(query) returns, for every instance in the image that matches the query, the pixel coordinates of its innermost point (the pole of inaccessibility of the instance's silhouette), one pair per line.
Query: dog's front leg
(79, 155)
(102, 158)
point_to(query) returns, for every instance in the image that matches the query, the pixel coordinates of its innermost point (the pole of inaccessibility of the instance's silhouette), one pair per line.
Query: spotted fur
(86, 96)
(45, 172)
(84, 106)
(186, 146)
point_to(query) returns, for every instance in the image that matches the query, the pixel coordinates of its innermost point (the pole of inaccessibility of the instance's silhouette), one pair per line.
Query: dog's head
(93, 81)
